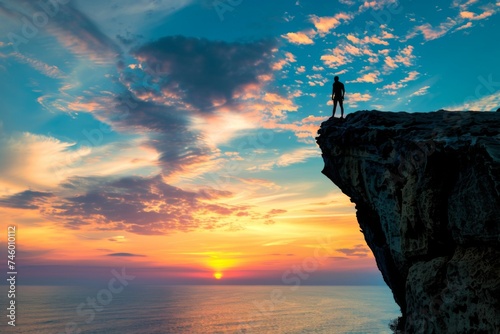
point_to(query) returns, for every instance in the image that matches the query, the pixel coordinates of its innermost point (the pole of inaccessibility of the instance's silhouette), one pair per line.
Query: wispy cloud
(299, 155)
(296, 156)
(430, 33)
(486, 103)
(125, 255)
(460, 22)
(51, 71)
(422, 91)
(465, 26)
(413, 75)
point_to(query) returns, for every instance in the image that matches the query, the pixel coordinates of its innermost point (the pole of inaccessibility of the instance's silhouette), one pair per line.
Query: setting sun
(218, 275)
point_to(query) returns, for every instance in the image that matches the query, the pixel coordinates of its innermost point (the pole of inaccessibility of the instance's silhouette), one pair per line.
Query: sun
(218, 275)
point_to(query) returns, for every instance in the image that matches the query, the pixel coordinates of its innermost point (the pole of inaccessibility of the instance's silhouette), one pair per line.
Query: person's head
(336, 78)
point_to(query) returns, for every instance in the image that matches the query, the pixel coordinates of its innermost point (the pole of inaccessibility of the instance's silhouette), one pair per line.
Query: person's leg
(334, 107)
(341, 103)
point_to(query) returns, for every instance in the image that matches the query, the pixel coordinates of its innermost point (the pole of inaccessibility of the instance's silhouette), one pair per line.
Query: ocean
(202, 309)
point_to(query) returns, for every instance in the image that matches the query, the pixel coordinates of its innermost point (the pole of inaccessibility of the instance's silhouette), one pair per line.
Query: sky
(176, 138)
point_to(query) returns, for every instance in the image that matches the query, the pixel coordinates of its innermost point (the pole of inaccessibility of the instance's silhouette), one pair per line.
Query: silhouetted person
(338, 92)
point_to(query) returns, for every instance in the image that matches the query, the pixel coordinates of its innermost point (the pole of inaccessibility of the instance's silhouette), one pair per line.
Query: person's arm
(343, 91)
(333, 90)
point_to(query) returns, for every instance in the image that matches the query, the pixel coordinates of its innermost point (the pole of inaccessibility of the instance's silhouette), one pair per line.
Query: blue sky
(132, 125)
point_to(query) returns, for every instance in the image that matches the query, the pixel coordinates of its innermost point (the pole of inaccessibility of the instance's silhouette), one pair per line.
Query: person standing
(338, 92)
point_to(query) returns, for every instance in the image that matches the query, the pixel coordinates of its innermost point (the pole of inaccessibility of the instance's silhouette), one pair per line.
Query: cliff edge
(427, 193)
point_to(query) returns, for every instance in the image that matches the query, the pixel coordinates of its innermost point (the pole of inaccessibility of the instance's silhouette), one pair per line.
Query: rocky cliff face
(427, 193)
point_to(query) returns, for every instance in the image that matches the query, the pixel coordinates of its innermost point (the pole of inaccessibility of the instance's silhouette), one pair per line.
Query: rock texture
(427, 193)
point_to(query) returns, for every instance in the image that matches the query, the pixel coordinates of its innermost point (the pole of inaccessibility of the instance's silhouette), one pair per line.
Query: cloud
(301, 69)
(372, 77)
(358, 97)
(326, 23)
(305, 129)
(376, 40)
(204, 73)
(296, 156)
(405, 56)
(316, 79)
(278, 103)
(259, 183)
(346, 53)
(27, 199)
(463, 4)
(465, 26)
(421, 91)
(188, 95)
(169, 131)
(336, 59)
(358, 251)
(289, 58)
(390, 62)
(473, 16)
(431, 33)
(48, 70)
(129, 18)
(141, 205)
(301, 38)
(342, 55)
(376, 4)
(125, 255)
(392, 88)
(119, 238)
(413, 75)
(485, 103)
(73, 29)
(277, 211)
(29, 160)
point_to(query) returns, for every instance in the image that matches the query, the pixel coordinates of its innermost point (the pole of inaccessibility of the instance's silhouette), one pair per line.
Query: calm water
(206, 309)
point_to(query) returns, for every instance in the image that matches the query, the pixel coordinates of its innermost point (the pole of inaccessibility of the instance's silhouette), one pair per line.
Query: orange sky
(319, 235)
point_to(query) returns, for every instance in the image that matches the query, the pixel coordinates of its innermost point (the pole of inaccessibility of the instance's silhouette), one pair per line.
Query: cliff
(427, 193)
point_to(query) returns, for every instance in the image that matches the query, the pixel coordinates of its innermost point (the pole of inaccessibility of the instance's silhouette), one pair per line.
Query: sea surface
(203, 309)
